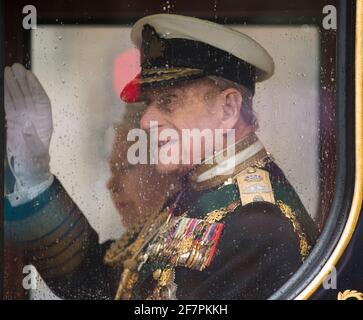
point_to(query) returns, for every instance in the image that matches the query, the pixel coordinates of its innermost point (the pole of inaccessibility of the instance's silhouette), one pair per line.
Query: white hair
(247, 113)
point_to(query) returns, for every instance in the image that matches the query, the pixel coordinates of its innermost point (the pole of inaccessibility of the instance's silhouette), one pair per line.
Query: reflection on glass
(277, 171)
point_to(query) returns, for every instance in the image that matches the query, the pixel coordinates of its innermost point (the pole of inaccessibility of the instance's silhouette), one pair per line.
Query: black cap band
(157, 53)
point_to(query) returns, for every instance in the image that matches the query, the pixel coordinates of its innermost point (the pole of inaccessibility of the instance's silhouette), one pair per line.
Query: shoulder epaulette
(254, 186)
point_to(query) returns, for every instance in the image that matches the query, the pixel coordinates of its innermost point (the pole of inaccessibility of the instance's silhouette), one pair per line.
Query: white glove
(29, 128)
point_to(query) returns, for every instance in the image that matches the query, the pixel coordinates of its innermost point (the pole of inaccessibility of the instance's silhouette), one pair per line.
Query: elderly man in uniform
(230, 233)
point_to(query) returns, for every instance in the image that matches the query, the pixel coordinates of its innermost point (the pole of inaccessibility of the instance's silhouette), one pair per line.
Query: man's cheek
(186, 153)
(191, 151)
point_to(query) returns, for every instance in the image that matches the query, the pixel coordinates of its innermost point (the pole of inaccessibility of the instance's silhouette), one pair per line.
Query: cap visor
(154, 78)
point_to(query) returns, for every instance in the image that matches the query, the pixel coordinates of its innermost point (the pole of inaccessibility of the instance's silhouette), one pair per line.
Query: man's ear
(232, 99)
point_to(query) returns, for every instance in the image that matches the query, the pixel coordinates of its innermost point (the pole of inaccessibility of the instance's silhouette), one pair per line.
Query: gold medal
(157, 274)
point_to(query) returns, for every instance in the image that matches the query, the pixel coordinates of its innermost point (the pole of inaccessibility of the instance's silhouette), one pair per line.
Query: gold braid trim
(219, 214)
(129, 254)
(171, 74)
(126, 284)
(166, 276)
(350, 294)
(120, 250)
(287, 211)
(123, 248)
(170, 70)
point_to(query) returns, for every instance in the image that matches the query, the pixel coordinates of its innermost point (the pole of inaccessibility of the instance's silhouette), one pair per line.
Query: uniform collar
(249, 151)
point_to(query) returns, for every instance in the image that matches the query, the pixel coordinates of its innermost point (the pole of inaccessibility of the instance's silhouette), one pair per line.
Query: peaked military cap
(175, 48)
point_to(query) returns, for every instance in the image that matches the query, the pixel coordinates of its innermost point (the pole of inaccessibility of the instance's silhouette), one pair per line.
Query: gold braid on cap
(163, 74)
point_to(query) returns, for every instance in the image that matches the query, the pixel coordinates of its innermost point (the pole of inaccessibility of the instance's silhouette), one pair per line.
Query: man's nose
(152, 117)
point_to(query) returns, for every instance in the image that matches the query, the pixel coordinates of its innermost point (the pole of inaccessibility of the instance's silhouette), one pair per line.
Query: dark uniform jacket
(253, 234)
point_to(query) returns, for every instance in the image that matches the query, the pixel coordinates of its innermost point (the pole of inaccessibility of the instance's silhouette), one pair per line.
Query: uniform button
(251, 170)
(157, 274)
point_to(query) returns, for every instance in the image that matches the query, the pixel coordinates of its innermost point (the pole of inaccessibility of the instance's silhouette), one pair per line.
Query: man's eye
(167, 103)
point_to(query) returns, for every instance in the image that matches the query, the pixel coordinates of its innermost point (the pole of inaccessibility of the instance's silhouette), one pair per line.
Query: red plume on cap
(126, 67)
(132, 91)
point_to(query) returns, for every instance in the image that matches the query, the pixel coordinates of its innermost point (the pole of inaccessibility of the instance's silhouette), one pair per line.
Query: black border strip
(2, 144)
(292, 20)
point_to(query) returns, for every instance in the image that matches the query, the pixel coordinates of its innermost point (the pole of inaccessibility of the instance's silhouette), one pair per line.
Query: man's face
(191, 106)
(136, 190)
